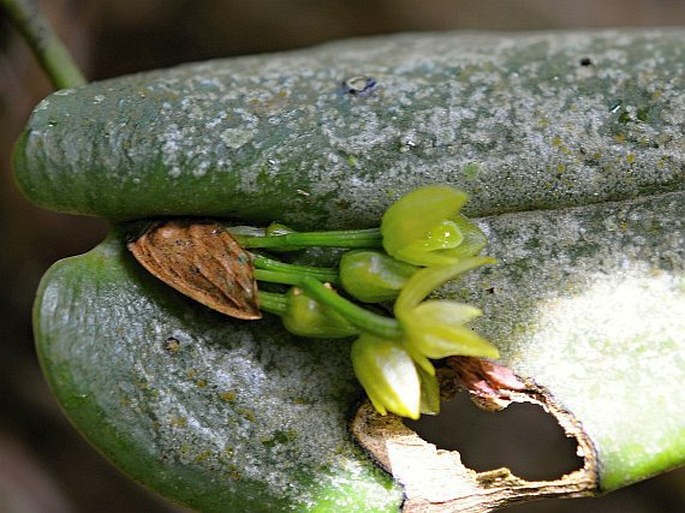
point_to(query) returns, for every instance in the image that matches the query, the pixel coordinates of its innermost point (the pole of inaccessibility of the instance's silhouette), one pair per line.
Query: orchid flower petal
(427, 280)
(446, 312)
(442, 340)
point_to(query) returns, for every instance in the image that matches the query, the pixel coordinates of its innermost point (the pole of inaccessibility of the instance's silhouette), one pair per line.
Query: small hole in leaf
(522, 437)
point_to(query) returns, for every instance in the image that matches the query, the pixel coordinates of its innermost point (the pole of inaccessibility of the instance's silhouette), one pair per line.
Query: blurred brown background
(45, 467)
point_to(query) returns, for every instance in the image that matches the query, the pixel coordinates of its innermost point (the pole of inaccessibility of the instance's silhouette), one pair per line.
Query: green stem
(367, 238)
(361, 318)
(273, 302)
(325, 274)
(284, 278)
(52, 55)
(379, 325)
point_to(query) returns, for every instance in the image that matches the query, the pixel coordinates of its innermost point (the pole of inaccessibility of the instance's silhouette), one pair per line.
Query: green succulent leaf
(578, 185)
(197, 405)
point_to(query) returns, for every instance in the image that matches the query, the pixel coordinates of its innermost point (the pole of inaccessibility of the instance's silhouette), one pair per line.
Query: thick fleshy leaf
(591, 303)
(217, 413)
(577, 170)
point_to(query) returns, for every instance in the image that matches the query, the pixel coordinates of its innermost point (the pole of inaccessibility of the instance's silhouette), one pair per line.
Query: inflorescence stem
(363, 319)
(52, 55)
(367, 238)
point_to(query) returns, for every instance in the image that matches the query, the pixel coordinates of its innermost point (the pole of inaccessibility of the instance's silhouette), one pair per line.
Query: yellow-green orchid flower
(424, 227)
(435, 329)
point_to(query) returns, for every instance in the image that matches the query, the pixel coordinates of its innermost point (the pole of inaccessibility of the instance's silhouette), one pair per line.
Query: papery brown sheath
(203, 261)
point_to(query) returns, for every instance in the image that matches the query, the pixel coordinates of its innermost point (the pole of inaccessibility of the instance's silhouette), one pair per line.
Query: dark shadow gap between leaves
(522, 437)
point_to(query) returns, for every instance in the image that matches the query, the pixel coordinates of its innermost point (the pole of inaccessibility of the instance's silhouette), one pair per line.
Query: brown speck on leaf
(203, 261)
(172, 345)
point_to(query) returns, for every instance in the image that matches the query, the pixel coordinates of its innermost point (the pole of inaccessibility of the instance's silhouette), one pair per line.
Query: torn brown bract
(436, 480)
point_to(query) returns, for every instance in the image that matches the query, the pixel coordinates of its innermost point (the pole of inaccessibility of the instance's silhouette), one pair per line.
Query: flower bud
(372, 276)
(276, 229)
(309, 318)
(388, 374)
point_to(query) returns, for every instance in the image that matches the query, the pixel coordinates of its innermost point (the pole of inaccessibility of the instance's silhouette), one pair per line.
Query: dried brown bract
(203, 261)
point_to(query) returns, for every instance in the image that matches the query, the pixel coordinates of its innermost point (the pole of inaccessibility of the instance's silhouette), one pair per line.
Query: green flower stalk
(360, 317)
(312, 305)
(325, 274)
(280, 238)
